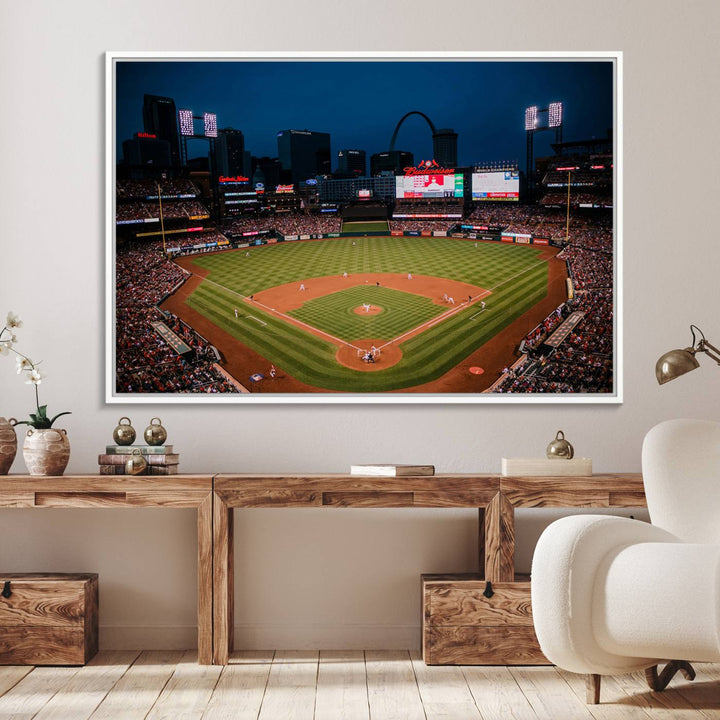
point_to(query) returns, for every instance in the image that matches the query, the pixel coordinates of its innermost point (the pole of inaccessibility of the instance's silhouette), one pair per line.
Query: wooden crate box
(461, 626)
(48, 618)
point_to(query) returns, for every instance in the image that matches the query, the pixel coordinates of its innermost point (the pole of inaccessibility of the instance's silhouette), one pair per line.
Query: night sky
(360, 102)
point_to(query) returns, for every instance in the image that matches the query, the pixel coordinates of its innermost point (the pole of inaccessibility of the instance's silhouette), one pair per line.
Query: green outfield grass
(514, 274)
(335, 314)
(363, 227)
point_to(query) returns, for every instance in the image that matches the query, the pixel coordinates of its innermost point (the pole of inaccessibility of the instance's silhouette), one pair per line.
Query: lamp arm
(710, 350)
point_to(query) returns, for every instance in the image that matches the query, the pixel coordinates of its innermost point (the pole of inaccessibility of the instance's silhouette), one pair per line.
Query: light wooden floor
(370, 685)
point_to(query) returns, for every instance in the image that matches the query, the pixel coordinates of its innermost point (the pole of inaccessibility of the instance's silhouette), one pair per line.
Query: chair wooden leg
(659, 682)
(592, 689)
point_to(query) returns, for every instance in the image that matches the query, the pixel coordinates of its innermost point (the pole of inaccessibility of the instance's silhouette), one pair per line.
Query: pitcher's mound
(374, 310)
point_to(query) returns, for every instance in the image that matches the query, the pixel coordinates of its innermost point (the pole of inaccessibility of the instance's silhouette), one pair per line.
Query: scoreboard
(503, 185)
(431, 185)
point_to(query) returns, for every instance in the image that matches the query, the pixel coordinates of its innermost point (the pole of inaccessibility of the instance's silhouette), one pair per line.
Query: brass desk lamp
(677, 362)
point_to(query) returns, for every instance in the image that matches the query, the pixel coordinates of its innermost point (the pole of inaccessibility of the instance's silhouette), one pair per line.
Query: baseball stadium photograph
(363, 228)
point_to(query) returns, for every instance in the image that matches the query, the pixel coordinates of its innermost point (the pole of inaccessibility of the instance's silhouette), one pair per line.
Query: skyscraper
(445, 147)
(304, 153)
(351, 163)
(390, 161)
(160, 119)
(230, 153)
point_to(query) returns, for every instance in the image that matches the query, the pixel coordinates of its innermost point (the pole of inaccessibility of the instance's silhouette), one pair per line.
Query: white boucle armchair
(613, 595)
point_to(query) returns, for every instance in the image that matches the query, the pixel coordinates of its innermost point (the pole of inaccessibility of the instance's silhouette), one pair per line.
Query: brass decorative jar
(136, 463)
(124, 433)
(155, 433)
(46, 451)
(560, 448)
(8, 444)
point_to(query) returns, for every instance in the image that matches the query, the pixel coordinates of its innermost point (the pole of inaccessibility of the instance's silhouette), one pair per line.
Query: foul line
(287, 318)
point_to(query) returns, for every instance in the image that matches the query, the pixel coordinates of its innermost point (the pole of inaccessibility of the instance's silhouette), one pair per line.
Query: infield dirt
(500, 351)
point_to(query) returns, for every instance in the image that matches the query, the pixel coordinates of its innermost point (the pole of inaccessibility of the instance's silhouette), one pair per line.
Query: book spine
(112, 469)
(109, 459)
(149, 470)
(162, 470)
(144, 449)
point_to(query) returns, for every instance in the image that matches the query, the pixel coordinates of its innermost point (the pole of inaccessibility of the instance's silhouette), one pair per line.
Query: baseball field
(367, 314)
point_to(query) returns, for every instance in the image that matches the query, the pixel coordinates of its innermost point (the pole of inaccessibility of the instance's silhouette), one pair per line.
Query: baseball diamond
(318, 335)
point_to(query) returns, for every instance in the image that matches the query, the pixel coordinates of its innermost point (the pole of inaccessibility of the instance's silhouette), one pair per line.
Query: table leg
(223, 581)
(499, 519)
(205, 587)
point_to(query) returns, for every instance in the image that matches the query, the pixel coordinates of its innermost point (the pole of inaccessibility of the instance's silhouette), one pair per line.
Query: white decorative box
(549, 467)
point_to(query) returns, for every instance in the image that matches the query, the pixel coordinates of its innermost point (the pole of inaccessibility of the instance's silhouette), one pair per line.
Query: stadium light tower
(537, 120)
(186, 122)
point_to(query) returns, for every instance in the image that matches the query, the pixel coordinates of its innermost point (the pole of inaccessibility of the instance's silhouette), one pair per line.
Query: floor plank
(392, 688)
(11, 675)
(497, 694)
(666, 705)
(188, 692)
(346, 685)
(240, 691)
(549, 694)
(88, 687)
(615, 703)
(290, 691)
(138, 689)
(342, 686)
(444, 692)
(34, 691)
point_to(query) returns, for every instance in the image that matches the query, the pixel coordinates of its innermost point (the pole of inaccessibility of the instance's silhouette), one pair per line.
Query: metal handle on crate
(6, 592)
(488, 592)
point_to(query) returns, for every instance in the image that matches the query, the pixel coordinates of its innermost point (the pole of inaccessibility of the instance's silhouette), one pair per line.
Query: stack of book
(160, 459)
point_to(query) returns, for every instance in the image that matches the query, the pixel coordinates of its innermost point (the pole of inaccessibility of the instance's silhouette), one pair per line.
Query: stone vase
(46, 451)
(8, 444)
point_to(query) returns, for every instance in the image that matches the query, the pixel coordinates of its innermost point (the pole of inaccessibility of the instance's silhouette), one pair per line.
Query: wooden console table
(495, 497)
(215, 498)
(126, 491)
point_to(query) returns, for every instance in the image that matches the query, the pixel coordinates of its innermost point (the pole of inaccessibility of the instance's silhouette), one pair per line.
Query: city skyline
(359, 102)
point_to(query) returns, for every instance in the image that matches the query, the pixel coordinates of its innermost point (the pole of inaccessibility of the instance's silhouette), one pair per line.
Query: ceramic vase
(8, 445)
(47, 451)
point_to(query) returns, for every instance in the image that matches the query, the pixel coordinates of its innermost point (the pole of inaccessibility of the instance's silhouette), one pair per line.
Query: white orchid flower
(5, 346)
(23, 364)
(35, 377)
(13, 320)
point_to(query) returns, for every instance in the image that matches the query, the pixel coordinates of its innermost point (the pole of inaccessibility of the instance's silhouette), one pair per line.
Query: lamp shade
(675, 363)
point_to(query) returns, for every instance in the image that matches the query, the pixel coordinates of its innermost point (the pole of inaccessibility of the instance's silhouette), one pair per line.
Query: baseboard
(327, 637)
(266, 636)
(148, 637)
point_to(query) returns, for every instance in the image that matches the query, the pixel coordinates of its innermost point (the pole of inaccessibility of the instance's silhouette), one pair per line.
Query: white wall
(330, 578)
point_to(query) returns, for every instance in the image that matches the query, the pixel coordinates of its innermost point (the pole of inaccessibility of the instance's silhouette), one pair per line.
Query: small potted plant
(46, 449)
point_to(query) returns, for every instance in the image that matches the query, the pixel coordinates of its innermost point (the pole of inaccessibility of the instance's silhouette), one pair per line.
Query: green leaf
(67, 412)
(42, 411)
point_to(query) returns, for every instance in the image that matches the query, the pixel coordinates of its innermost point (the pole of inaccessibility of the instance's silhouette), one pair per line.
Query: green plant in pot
(46, 449)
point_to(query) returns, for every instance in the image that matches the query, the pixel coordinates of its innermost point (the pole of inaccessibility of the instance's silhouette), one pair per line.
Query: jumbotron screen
(429, 186)
(496, 186)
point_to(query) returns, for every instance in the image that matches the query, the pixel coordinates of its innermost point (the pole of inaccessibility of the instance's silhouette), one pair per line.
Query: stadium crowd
(143, 189)
(178, 209)
(421, 225)
(144, 361)
(583, 362)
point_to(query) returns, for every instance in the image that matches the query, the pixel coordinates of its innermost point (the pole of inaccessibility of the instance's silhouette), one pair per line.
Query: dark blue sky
(360, 102)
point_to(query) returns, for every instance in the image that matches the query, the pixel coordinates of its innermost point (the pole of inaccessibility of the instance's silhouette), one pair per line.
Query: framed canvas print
(367, 227)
